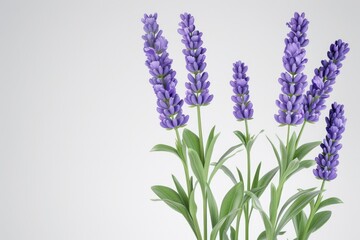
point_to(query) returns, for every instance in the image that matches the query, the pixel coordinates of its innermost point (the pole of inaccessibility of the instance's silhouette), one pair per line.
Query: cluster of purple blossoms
(163, 79)
(243, 108)
(314, 100)
(328, 160)
(293, 81)
(197, 93)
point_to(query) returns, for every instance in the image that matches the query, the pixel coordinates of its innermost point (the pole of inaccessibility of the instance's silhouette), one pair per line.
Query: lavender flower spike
(163, 79)
(323, 80)
(293, 81)
(328, 160)
(197, 93)
(243, 108)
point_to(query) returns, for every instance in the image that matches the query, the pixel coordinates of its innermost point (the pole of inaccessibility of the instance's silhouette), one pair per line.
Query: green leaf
(228, 173)
(302, 165)
(281, 167)
(291, 147)
(197, 167)
(262, 236)
(319, 220)
(266, 220)
(181, 192)
(304, 149)
(191, 140)
(240, 175)
(221, 222)
(165, 148)
(292, 167)
(223, 159)
(296, 207)
(273, 202)
(213, 208)
(173, 200)
(208, 154)
(293, 198)
(330, 201)
(210, 138)
(193, 210)
(256, 177)
(232, 233)
(231, 201)
(284, 157)
(252, 140)
(265, 180)
(241, 136)
(299, 223)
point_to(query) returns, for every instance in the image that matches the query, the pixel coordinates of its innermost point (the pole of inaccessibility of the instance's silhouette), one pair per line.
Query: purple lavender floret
(325, 76)
(243, 108)
(163, 78)
(328, 160)
(293, 81)
(298, 25)
(197, 93)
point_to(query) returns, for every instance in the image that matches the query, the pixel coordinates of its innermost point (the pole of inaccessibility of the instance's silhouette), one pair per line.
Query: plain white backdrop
(78, 118)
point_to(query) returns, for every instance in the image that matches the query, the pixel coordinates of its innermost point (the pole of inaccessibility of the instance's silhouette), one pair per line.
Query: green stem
(288, 135)
(237, 225)
(186, 168)
(247, 219)
(277, 201)
(313, 211)
(300, 133)
(200, 134)
(201, 143)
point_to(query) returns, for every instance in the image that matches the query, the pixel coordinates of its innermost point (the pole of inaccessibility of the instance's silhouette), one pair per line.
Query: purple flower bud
(243, 108)
(325, 76)
(163, 79)
(293, 81)
(197, 93)
(328, 160)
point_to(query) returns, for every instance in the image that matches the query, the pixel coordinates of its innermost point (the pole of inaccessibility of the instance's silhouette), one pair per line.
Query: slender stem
(186, 168)
(247, 216)
(247, 219)
(300, 133)
(200, 133)
(277, 201)
(288, 135)
(238, 225)
(201, 142)
(313, 211)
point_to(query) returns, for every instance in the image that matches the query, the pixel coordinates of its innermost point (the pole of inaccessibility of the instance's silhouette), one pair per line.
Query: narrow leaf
(304, 149)
(319, 220)
(296, 207)
(197, 167)
(277, 156)
(330, 201)
(181, 192)
(191, 140)
(241, 136)
(213, 208)
(256, 177)
(164, 148)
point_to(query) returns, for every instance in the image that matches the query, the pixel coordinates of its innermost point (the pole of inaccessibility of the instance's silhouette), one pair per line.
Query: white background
(78, 118)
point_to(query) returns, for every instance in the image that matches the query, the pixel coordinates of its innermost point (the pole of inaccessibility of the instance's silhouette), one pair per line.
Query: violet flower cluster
(197, 93)
(328, 160)
(163, 79)
(293, 81)
(243, 108)
(323, 80)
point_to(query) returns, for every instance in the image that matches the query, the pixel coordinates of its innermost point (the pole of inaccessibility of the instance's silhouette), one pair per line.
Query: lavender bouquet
(222, 220)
